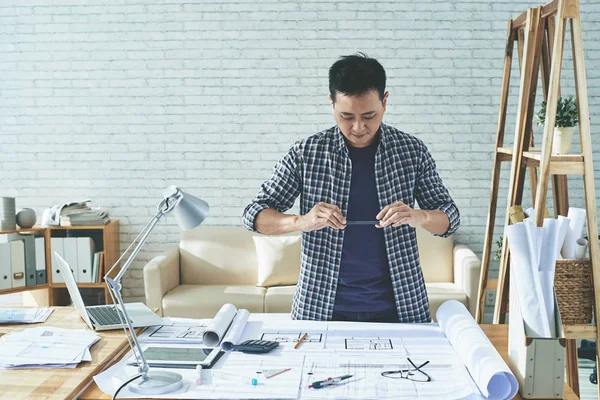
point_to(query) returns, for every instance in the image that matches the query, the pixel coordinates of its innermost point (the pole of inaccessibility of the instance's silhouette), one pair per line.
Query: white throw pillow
(278, 260)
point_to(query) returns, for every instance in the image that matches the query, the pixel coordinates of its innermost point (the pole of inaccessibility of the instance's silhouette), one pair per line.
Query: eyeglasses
(415, 374)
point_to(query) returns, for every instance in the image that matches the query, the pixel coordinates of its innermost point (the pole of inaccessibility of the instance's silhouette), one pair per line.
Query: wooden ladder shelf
(540, 34)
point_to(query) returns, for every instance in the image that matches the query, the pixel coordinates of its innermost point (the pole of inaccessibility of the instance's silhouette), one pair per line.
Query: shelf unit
(106, 238)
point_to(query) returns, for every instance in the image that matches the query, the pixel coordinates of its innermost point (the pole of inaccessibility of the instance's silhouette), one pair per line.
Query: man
(359, 170)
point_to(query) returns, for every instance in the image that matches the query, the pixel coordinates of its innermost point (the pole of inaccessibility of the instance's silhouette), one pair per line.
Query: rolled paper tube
(581, 247)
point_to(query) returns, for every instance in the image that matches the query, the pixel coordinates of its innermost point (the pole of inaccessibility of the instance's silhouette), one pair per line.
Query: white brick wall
(115, 100)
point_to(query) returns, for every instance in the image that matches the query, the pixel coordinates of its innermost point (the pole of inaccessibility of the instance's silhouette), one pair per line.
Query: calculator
(256, 346)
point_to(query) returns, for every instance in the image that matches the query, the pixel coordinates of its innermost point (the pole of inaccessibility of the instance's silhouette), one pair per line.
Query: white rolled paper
(581, 247)
(489, 371)
(215, 331)
(577, 220)
(235, 331)
(563, 230)
(523, 243)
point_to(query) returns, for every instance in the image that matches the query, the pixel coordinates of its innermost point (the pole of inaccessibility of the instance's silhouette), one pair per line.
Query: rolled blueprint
(581, 247)
(215, 331)
(235, 330)
(524, 251)
(563, 230)
(489, 371)
(550, 245)
(577, 217)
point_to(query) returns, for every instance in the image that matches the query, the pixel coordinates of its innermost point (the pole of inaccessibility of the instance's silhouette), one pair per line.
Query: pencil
(280, 372)
(300, 341)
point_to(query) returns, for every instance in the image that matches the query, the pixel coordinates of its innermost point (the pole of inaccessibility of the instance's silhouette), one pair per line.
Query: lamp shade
(190, 211)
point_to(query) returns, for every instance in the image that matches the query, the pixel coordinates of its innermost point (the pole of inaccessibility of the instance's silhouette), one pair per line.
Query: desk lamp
(189, 213)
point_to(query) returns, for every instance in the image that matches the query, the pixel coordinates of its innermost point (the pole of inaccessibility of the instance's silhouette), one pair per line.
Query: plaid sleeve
(431, 194)
(279, 191)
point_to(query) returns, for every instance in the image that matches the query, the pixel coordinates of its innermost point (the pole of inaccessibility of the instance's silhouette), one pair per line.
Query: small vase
(561, 141)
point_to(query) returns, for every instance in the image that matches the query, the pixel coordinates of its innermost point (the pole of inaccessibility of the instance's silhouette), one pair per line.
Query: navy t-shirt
(364, 282)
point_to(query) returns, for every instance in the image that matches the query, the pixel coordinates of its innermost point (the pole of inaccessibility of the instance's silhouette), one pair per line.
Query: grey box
(538, 363)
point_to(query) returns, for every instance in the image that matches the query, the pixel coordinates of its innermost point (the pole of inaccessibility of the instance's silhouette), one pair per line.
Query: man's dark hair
(355, 75)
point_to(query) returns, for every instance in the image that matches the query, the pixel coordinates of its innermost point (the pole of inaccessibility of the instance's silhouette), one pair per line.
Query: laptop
(103, 318)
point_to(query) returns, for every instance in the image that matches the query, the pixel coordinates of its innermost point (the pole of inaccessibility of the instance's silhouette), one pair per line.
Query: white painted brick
(115, 101)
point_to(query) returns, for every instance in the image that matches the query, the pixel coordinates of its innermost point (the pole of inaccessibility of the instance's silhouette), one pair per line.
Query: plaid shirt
(318, 169)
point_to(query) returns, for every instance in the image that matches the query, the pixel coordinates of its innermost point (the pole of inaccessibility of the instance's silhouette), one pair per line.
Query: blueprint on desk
(456, 356)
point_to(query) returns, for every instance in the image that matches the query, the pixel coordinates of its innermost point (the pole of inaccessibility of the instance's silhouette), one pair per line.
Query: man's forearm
(436, 222)
(271, 222)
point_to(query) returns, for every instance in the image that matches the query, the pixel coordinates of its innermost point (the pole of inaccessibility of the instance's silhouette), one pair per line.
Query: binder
(17, 263)
(56, 245)
(85, 251)
(70, 244)
(5, 278)
(40, 260)
(30, 273)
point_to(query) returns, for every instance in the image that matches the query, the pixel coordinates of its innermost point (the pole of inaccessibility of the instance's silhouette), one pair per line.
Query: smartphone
(179, 357)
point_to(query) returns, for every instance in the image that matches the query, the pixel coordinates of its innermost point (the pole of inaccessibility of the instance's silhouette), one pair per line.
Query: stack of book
(79, 214)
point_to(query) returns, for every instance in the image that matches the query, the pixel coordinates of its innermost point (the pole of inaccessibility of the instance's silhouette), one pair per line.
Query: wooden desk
(498, 335)
(64, 383)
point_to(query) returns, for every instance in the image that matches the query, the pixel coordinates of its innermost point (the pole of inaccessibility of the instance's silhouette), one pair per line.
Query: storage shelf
(564, 164)
(61, 285)
(580, 331)
(24, 289)
(108, 235)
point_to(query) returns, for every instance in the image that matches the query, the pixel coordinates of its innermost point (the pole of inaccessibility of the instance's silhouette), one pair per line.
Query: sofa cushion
(279, 299)
(204, 301)
(439, 292)
(278, 260)
(217, 255)
(436, 255)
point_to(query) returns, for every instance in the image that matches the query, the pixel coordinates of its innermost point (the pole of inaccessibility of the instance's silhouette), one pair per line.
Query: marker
(198, 375)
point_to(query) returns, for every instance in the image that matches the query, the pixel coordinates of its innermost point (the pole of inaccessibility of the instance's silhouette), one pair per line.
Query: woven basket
(574, 291)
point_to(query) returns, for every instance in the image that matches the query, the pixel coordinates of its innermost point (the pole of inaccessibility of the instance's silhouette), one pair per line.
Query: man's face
(359, 118)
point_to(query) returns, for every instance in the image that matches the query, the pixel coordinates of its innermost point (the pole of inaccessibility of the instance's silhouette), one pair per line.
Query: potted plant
(566, 120)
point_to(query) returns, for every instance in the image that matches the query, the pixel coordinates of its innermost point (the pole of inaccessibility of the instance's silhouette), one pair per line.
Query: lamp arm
(137, 249)
(115, 287)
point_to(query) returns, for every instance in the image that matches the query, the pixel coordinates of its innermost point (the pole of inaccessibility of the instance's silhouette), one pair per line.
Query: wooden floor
(587, 390)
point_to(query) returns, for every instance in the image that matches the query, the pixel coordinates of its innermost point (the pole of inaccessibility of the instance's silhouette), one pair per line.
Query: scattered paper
(24, 315)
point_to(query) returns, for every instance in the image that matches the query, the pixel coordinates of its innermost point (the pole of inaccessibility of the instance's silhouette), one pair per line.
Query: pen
(329, 382)
(363, 222)
(300, 341)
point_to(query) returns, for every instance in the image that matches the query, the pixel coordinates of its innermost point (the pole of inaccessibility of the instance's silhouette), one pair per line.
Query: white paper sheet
(477, 353)
(287, 333)
(375, 337)
(577, 218)
(215, 331)
(176, 330)
(232, 379)
(523, 243)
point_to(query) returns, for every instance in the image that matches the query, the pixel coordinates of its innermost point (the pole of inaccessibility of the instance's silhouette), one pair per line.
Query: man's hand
(322, 215)
(397, 214)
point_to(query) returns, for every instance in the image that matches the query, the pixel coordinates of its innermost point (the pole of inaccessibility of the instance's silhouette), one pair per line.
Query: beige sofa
(217, 265)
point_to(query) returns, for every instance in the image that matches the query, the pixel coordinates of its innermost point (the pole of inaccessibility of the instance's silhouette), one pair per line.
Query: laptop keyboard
(105, 315)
